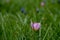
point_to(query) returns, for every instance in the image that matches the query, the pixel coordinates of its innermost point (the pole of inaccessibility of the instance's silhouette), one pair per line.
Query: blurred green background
(15, 25)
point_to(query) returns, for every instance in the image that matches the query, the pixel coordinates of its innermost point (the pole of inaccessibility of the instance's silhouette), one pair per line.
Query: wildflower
(23, 10)
(35, 26)
(42, 3)
(37, 10)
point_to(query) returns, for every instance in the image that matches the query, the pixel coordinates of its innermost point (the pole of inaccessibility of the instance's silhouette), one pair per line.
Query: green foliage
(14, 25)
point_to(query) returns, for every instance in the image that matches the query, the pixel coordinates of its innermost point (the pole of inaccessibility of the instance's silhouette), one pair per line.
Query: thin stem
(49, 11)
(40, 33)
(50, 24)
(3, 28)
(46, 32)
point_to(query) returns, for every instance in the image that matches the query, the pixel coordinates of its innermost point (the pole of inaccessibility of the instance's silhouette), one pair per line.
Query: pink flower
(42, 3)
(35, 26)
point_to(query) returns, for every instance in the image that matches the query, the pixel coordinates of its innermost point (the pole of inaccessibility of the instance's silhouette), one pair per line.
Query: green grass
(14, 25)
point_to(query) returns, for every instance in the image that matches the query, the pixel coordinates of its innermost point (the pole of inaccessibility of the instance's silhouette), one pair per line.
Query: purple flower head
(35, 26)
